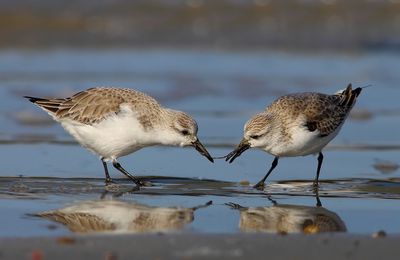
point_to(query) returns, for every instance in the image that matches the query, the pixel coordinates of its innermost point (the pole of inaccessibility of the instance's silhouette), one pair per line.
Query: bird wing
(95, 104)
(326, 113)
(322, 112)
(326, 119)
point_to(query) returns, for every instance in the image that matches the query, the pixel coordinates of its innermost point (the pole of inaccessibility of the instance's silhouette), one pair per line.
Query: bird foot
(315, 187)
(109, 181)
(144, 183)
(112, 187)
(235, 206)
(259, 186)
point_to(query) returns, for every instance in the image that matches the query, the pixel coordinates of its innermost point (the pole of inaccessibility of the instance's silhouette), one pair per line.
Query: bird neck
(165, 134)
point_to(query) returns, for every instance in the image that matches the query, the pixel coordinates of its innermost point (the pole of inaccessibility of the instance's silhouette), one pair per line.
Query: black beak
(202, 150)
(243, 146)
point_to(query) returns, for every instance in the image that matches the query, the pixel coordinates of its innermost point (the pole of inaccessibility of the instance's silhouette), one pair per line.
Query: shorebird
(114, 122)
(297, 125)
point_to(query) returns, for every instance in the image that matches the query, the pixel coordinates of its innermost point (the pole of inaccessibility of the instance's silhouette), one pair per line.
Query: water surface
(43, 169)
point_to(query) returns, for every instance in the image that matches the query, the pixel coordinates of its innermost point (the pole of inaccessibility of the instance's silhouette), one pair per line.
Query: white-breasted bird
(114, 122)
(297, 125)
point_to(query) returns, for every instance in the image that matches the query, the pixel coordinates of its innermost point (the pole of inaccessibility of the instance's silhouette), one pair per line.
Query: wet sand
(187, 246)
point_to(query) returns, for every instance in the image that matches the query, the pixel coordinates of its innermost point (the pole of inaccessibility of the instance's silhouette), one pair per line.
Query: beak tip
(210, 158)
(243, 146)
(202, 150)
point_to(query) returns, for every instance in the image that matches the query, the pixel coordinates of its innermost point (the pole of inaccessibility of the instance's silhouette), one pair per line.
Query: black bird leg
(318, 204)
(260, 184)
(127, 174)
(108, 178)
(320, 159)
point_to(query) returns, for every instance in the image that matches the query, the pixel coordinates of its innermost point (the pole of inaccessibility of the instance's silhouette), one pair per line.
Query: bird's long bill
(202, 150)
(243, 146)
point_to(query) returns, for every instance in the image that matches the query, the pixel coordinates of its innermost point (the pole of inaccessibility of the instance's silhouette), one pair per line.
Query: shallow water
(357, 205)
(360, 177)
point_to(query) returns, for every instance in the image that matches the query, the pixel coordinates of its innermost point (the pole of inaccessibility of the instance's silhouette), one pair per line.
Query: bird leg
(320, 159)
(260, 184)
(202, 206)
(236, 206)
(318, 204)
(127, 174)
(274, 202)
(108, 178)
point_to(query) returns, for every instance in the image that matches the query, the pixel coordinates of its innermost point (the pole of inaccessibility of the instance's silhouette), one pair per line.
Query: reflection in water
(289, 219)
(120, 217)
(385, 167)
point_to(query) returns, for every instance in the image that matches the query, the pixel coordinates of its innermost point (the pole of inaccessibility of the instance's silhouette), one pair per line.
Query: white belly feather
(303, 142)
(116, 136)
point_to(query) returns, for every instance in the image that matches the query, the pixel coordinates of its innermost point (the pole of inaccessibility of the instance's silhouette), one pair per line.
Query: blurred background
(261, 24)
(221, 61)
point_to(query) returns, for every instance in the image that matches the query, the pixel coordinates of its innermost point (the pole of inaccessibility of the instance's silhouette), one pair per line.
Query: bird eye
(185, 132)
(255, 137)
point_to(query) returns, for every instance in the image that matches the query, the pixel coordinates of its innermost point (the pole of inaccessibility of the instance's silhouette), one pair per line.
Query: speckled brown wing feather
(324, 113)
(90, 106)
(93, 105)
(333, 109)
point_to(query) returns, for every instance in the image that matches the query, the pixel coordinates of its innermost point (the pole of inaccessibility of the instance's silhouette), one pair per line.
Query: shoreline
(193, 246)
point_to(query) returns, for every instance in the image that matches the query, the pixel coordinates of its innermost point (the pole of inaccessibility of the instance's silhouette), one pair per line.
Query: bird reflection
(121, 217)
(289, 219)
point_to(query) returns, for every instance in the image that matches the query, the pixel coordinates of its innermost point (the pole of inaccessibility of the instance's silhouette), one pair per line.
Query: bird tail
(51, 106)
(349, 96)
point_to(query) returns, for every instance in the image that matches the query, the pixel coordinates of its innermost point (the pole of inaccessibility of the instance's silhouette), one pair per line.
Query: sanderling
(297, 125)
(114, 122)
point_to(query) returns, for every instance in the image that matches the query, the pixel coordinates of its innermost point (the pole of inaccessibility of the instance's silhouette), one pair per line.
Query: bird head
(183, 130)
(255, 135)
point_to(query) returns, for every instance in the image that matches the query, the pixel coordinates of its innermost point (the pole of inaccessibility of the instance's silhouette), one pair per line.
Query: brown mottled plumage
(297, 125)
(322, 112)
(95, 104)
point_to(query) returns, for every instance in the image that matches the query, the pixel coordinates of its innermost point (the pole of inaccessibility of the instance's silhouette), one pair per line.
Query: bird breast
(113, 137)
(298, 141)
